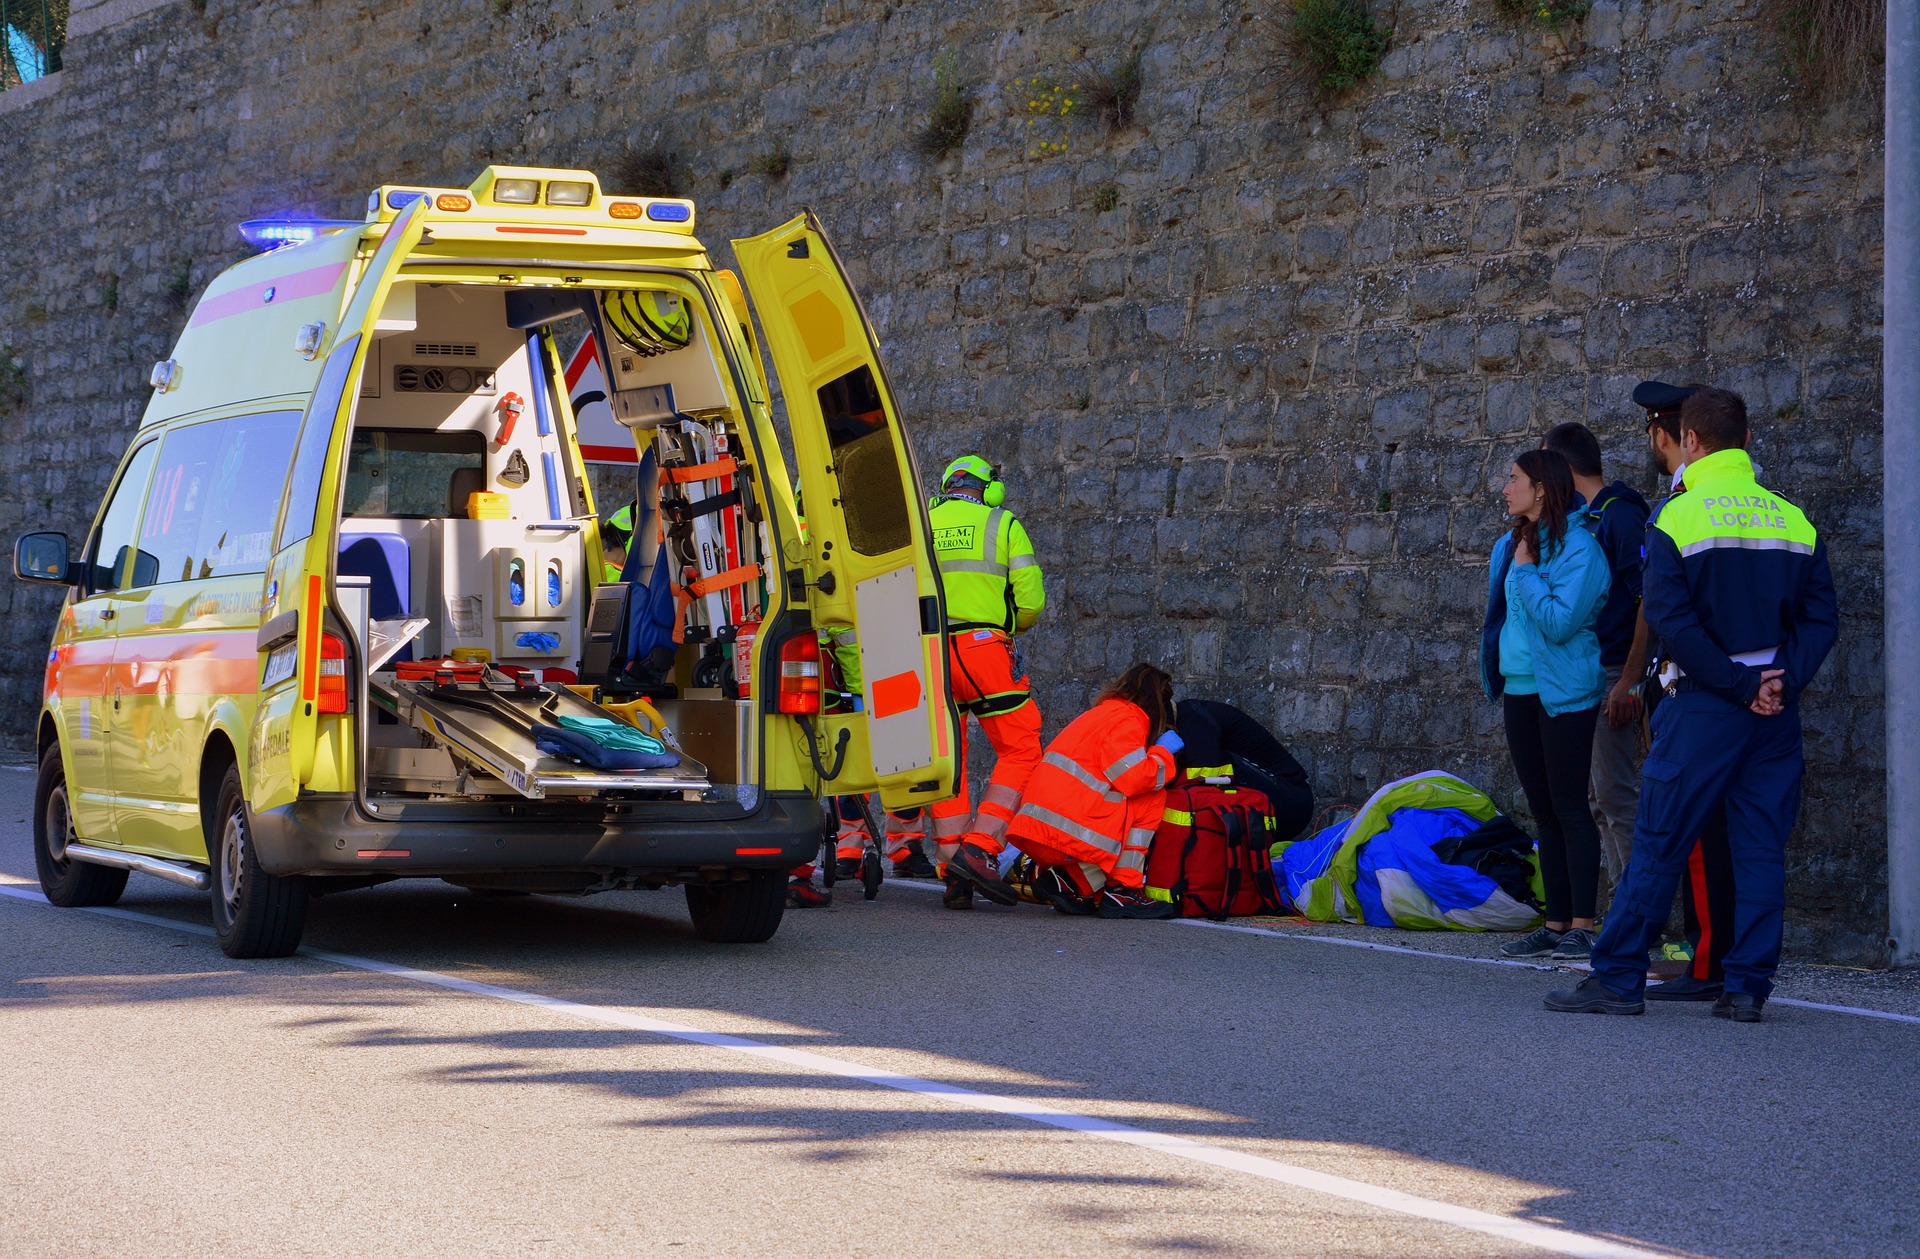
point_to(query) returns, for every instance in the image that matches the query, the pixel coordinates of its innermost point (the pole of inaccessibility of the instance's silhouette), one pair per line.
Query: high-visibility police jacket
(987, 566)
(1733, 569)
(1077, 800)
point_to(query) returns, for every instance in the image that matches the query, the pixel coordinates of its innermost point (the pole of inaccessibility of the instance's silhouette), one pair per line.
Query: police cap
(1658, 395)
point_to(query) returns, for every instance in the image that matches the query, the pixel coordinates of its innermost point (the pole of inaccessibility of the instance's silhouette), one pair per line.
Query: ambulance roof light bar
(267, 235)
(538, 195)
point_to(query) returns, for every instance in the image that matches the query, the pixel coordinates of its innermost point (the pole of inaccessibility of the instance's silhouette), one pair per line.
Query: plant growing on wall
(1829, 46)
(950, 112)
(1552, 14)
(1050, 105)
(13, 379)
(1336, 44)
(774, 162)
(1113, 91)
(652, 171)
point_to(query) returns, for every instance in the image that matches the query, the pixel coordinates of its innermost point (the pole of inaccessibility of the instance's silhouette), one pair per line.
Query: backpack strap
(1235, 821)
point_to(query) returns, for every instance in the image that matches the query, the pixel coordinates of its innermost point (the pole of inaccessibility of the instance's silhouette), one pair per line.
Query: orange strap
(723, 581)
(723, 466)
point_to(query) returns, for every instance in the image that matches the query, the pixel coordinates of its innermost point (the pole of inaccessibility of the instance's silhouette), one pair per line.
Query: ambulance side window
(872, 497)
(113, 542)
(216, 491)
(310, 460)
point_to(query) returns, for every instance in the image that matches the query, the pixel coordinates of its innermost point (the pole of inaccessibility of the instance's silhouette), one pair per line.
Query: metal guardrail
(33, 34)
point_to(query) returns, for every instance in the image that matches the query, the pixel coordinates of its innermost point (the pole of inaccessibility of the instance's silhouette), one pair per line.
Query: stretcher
(488, 721)
(711, 527)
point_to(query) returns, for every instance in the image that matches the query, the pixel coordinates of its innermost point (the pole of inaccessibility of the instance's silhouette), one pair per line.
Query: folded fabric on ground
(1380, 866)
(1501, 851)
(603, 743)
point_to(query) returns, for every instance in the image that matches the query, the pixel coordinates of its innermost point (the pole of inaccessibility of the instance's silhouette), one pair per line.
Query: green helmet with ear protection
(980, 470)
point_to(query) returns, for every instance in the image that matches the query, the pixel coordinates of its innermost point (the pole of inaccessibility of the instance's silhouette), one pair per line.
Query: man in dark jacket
(1617, 513)
(1218, 734)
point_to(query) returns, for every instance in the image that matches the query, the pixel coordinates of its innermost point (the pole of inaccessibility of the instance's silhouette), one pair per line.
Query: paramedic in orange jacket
(991, 579)
(1094, 802)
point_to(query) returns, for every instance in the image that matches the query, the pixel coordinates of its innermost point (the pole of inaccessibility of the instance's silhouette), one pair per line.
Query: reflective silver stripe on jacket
(1066, 765)
(1002, 797)
(973, 566)
(1141, 838)
(1748, 544)
(1066, 826)
(844, 637)
(1024, 561)
(1125, 763)
(948, 827)
(992, 825)
(1159, 774)
(992, 553)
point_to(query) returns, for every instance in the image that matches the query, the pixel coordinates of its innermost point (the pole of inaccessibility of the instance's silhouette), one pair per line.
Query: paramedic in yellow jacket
(994, 590)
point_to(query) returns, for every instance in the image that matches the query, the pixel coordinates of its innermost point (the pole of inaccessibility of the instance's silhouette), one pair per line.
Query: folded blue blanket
(575, 746)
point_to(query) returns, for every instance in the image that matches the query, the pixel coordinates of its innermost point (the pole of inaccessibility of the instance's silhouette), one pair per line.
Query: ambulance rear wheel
(255, 914)
(73, 884)
(743, 912)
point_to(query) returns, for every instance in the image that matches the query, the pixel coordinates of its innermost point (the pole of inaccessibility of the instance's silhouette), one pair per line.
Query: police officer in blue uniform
(1738, 588)
(1706, 893)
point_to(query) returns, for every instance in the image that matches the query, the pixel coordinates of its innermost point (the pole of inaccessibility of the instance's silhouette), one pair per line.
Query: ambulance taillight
(800, 674)
(333, 674)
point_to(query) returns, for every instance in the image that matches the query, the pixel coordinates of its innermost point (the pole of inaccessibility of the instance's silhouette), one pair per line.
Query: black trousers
(1292, 802)
(1553, 756)
(1706, 900)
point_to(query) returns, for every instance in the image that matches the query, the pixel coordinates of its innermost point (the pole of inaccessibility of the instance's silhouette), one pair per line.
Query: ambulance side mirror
(44, 557)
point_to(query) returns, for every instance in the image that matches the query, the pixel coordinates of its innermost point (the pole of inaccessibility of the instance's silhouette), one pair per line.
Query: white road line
(1520, 1232)
(1343, 942)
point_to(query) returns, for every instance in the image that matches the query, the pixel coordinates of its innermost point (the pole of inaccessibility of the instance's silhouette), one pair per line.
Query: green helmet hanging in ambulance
(648, 323)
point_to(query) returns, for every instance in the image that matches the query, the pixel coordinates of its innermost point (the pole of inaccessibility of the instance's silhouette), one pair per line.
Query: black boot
(802, 894)
(959, 894)
(915, 865)
(974, 865)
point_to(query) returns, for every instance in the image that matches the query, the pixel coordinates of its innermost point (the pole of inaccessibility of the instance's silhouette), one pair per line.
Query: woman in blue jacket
(1540, 657)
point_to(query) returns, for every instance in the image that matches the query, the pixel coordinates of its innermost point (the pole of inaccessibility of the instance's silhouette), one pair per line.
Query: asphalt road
(441, 1074)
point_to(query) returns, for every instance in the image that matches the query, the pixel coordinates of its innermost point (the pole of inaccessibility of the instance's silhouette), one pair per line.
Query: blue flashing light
(668, 212)
(400, 198)
(267, 235)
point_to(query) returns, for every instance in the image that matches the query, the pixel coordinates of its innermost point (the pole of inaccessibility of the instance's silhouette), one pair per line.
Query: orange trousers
(901, 829)
(1143, 813)
(987, 685)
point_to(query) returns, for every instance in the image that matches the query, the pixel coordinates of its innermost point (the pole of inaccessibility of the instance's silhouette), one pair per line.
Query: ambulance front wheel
(74, 884)
(255, 914)
(743, 912)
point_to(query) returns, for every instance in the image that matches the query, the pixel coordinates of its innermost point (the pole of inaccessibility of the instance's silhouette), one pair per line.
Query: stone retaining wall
(1255, 365)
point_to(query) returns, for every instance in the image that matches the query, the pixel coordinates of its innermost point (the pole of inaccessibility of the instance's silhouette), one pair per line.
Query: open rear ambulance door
(286, 722)
(868, 542)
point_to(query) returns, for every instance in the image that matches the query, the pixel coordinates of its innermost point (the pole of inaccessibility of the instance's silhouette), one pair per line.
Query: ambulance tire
(71, 884)
(743, 912)
(255, 914)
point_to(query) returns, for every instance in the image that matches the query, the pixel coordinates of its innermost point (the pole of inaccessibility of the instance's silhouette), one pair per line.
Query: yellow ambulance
(344, 615)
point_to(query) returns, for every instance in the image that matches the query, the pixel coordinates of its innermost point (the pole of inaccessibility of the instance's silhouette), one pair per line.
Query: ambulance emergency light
(267, 235)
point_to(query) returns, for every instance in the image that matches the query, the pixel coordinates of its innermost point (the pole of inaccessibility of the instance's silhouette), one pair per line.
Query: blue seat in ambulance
(384, 559)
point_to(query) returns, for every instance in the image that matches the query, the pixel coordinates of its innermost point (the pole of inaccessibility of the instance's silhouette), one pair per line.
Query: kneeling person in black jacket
(1220, 734)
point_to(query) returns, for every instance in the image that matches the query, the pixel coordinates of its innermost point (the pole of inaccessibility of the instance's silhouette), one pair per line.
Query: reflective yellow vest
(987, 566)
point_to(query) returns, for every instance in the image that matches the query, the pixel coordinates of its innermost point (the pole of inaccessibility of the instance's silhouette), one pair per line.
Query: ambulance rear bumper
(330, 835)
